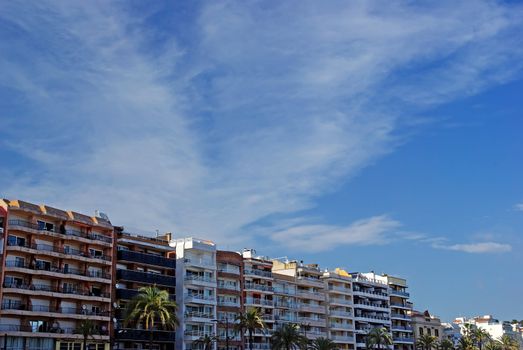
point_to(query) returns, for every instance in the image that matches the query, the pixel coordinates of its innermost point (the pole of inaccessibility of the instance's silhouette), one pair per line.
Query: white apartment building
(494, 327)
(340, 315)
(196, 290)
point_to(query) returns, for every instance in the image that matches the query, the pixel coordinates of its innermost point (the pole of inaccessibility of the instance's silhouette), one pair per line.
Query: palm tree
(445, 344)
(465, 343)
(508, 343)
(427, 342)
(86, 328)
(287, 337)
(249, 321)
(151, 307)
(480, 337)
(377, 337)
(323, 344)
(206, 341)
(493, 345)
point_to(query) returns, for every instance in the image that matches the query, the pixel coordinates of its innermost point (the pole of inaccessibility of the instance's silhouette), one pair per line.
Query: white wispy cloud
(257, 114)
(518, 207)
(478, 247)
(316, 238)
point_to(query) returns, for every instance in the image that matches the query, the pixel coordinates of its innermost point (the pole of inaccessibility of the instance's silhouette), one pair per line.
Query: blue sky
(382, 136)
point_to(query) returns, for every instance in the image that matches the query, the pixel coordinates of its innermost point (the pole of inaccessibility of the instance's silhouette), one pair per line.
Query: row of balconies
(146, 277)
(46, 288)
(29, 225)
(44, 308)
(43, 329)
(257, 286)
(128, 294)
(369, 292)
(373, 305)
(144, 335)
(56, 269)
(256, 272)
(147, 259)
(65, 250)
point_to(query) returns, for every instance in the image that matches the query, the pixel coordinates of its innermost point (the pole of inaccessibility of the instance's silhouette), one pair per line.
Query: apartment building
(310, 295)
(492, 326)
(371, 305)
(400, 307)
(142, 261)
(258, 293)
(230, 301)
(285, 300)
(424, 323)
(339, 299)
(196, 290)
(57, 269)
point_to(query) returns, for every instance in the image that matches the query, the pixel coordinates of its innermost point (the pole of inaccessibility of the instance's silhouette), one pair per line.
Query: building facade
(142, 261)
(424, 323)
(57, 269)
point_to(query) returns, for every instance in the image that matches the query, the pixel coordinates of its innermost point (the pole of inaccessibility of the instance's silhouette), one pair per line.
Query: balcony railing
(400, 305)
(43, 329)
(222, 302)
(257, 286)
(65, 270)
(255, 301)
(366, 303)
(46, 288)
(128, 294)
(65, 250)
(76, 233)
(403, 340)
(399, 293)
(146, 277)
(381, 318)
(340, 313)
(148, 259)
(369, 292)
(50, 309)
(199, 297)
(228, 286)
(342, 338)
(402, 316)
(199, 314)
(197, 278)
(256, 272)
(197, 333)
(144, 335)
(229, 269)
(204, 263)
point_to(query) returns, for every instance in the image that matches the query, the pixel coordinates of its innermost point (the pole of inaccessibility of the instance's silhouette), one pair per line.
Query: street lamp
(226, 323)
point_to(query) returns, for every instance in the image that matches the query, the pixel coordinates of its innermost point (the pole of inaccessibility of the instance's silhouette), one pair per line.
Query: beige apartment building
(339, 304)
(424, 323)
(57, 270)
(310, 295)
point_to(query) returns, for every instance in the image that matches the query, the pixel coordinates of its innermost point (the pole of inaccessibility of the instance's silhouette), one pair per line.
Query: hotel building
(142, 261)
(57, 269)
(196, 290)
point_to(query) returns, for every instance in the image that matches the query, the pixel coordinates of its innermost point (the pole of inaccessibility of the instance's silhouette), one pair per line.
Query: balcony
(340, 313)
(128, 294)
(340, 301)
(342, 338)
(201, 263)
(146, 259)
(399, 293)
(370, 293)
(146, 277)
(403, 340)
(56, 269)
(53, 249)
(199, 280)
(396, 328)
(46, 288)
(17, 224)
(198, 314)
(256, 272)
(259, 302)
(228, 303)
(259, 287)
(48, 309)
(311, 308)
(228, 286)
(400, 305)
(311, 281)
(233, 269)
(399, 316)
(342, 290)
(373, 318)
(144, 335)
(371, 305)
(260, 346)
(200, 298)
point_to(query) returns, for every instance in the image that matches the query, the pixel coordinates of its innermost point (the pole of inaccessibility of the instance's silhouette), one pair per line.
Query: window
(95, 253)
(19, 262)
(13, 282)
(15, 241)
(45, 226)
(421, 331)
(436, 333)
(428, 331)
(43, 265)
